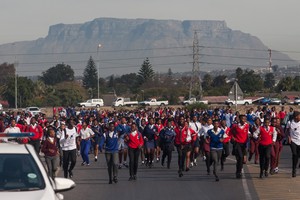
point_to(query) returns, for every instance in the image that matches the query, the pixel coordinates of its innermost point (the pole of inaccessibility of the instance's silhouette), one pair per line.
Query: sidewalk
(278, 186)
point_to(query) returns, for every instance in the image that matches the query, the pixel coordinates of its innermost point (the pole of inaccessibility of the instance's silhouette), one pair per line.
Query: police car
(23, 176)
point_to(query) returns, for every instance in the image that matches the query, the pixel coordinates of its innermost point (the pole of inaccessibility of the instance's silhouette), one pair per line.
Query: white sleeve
(274, 135)
(256, 133)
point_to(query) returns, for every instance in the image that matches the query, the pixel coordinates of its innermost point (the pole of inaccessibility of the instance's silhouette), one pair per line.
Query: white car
(92, 103)
(23, 176)
(33, 110)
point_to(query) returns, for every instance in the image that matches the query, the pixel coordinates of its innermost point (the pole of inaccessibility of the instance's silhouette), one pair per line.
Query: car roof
(11, 148)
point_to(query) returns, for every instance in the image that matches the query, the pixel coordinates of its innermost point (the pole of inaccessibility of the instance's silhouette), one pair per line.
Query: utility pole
(196, 78)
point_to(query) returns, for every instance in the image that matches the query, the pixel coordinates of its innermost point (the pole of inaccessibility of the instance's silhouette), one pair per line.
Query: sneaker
(192, 164)
(66, 174)
(195, 162)
(276, 170)
(143, 162)
(238, 175)
(120, 166)
(157, 159)
(134, 177)
(222, 167)
(187, 169)
(78, 153)
(115, 179)
(293, 174)
(130, 178)
(110, 182)
(204, 158)
(96, 158)
(83, 163)
(266, 174)
(217, 178)
(88, 164)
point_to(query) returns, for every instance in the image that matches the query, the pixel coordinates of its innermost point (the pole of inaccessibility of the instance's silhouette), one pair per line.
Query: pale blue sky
(275, 22)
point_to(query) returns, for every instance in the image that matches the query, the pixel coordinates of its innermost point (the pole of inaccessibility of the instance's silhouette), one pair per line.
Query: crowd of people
(151, 135)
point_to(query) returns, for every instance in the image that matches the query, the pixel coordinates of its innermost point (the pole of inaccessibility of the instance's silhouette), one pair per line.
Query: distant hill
(127, 42)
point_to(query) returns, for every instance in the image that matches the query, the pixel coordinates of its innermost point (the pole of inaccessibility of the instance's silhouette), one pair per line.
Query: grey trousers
(215, 158)
(112, 164)
(52, 165)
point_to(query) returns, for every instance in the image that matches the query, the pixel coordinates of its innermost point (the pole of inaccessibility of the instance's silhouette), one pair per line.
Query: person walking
(135, 142)
(216, 136)
(226, 143)
(149, 134)
(293, 130)
(68, 145)
(167, 136)
(51, 152)
(266, 136)
(111, 152)
(239, 133)
(277, 147)
(85, 134)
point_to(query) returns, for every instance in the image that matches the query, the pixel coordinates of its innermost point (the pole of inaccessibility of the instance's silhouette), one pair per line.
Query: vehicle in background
(23, 175)
(121, 101)
(193, 100)
(154, 102)
(92, 103)
(270, 101)
(238, 102)
(33, 111)
(297, 101)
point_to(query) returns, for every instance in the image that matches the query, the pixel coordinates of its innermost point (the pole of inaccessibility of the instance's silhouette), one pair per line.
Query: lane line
(244, 183)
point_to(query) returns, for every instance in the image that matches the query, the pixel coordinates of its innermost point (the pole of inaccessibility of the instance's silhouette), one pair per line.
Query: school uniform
(267, 136)
(50, 149)
(111, 154)
(226, 145)
(85, 144)
(167, 136)
(294, 133)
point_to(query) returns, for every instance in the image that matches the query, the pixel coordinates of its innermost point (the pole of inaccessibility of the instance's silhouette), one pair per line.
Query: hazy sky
(275, 22)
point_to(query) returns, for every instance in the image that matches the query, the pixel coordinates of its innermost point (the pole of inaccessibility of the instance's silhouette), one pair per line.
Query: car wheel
(97, 105)
(246, 103)
(230, 104)
(162, 104)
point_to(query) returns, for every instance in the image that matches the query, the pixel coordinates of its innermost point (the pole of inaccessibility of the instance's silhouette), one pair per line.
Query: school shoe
(272, 171)
(143, 163)
(70, 174)
(110, 182)
(187, 169)
(276, 170)
(83, 163)
(180, 174)
(266, 174)
(294, 174)
(208, 172)
(134, 177)
(66, 174)
(125, 164)
(222, 167)
(115, 179)
(168, 165)
(261, 175)
(192, 164)
(120, 166)
(157, 159)
(238, 175)
(217, 178)
(130, 178)
(96, 158)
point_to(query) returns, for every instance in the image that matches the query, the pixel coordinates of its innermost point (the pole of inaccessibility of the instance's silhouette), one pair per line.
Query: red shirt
(135, 141)
(240, 133)
(228, 138)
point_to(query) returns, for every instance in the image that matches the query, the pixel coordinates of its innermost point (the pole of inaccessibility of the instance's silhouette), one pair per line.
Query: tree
(250, 82)
(207, 82)
(90, 75)
(296, 85)
(285, 84)
(238, 73)
(58, 74)
(25, 92)
(146, 72)
(269, 80)
(170, 73)
(219, 81)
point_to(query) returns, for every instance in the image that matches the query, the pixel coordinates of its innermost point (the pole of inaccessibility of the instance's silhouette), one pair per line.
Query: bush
(197, 106)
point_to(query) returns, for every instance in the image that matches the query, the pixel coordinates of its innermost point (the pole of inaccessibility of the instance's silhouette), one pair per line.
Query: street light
(16, 76)
(99, 46)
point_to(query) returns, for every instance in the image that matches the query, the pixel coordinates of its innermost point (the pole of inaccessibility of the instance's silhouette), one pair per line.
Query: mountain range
(125, 43)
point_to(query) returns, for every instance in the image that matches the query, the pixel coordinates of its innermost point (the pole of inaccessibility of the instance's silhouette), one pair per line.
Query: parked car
(194, 100)
(121, 101)
(33, 111)
(154, 102)
(92, 103)
(238, 102)
(297, 101)
(270, 101)
(23, 175)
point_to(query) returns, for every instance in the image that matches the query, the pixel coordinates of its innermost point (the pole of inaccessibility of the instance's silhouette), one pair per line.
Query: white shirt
(86, 133)
(11, 130)
(196, 126)
(70, 142)
(294, 128)
(205, 128)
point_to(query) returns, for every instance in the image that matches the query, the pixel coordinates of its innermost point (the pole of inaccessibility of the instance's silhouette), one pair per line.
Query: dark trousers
(36, 145)
(239, 152)
(254, 149)
(182, 150)
(215, 155)
(133, 160)
(296, 153)
(112, 164)
(167, 151)
(225, 153)
(69, 156)
(264, 157)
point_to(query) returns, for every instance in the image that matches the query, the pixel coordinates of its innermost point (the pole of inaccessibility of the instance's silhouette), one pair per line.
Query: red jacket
(184, 135)
(37, 130)
(227, 139)
(266, 136)
(134, 141)
(240, 133)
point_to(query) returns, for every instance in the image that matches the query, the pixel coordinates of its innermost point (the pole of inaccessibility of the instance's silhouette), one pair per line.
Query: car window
(19, 172)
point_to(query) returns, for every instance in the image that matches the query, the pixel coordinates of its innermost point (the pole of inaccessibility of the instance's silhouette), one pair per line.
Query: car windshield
(19, 172)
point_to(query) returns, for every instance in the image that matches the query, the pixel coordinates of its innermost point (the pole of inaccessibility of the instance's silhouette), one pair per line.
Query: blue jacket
(167, 135)
(215, 142)
(111, 142)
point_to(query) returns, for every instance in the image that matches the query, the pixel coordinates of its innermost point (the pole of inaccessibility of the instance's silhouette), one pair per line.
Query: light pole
(16, 77)
(99, 46)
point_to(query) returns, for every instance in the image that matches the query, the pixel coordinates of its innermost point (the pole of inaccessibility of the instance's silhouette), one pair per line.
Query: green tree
(250, 82)
(238, 73)
(219, 81)
(285, 84)
(25, 92)
(296, 85)
(58, 74)
(269, 80)
(207, 82)
(90, 75)
(146, 72)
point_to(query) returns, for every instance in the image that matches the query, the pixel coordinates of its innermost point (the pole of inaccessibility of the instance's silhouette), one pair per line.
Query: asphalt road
(160, 183)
